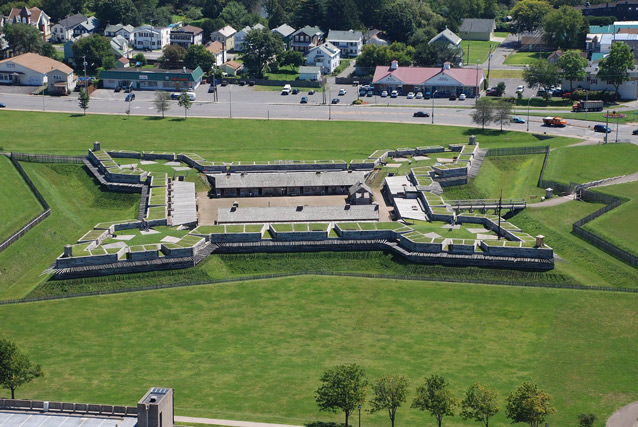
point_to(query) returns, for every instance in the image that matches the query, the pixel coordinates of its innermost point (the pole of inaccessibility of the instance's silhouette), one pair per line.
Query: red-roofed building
(444, 81)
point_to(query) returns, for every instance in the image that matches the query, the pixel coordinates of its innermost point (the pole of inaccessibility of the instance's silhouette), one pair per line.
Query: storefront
(156, 79)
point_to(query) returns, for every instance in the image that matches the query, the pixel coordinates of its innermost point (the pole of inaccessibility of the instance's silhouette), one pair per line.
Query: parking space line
(7, 419)
(25, 420)
(103, 421)
(60, 425)
(45, 420)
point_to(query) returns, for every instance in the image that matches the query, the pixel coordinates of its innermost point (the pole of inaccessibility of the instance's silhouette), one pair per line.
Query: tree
(15, 367)
(343, 388)
(232, 13)
(436, 54)
(586, 420)
(277, 15)
(528, 14)
(161, 101)
(389, 393)
(193, 13)
(117, 11)
(185, 101)
(483, 112)
(261, 47)
(23, 38)
(291, 58)
(84, 100)
(210, 25)
(48, 50)
(573, 66)
(435, 397)
(565, 28)
(399, 23)
(480, 404)
(140, 58)
(372, 55)
(309, 12)
(341, 15)
(173, 54)
(160, 16)
(541, 74)
(371, 11)
(96, 49)
(528, 404)
(198, 56)
(614, 69)
(500, 88)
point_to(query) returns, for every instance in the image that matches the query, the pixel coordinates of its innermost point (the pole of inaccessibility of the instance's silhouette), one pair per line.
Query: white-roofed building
(325, 56)
(349, 42)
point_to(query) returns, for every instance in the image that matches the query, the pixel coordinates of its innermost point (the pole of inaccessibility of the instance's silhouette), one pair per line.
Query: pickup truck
(554, 121)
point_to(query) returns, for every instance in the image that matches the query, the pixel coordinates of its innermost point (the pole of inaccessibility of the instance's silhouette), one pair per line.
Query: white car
(462, 97)
(342, 92)
(384, 94)
(410, 95)
(419, 95)
(394, 94)
(520, 89)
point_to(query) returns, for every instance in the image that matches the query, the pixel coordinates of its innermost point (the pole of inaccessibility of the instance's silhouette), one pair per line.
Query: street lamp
(433, 106)
(528, 101)
(230, 104)
(329, 105)
(359, 415)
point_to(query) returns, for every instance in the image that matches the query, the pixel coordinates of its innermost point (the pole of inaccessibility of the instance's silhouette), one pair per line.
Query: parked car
(602, 128)
(342, 92)
(370, 92)
(242, 83)
(394, 94)
(251, 83)
(634, 132)
(191, 95)
(129, 97)
(462, 97)
(303, 100)
(2, 105)
(384, 94)
(410, 95)
(211, 88)
(335, 100)
(363, 91)
(491, 92)
(452, 97)
(295, 91)
(421, 114)
(427, 95)
(311, 92)
(419, 95)
(117, 89)
(520, 88)
(224, 83)
(517, 120)
(175, 95)
(566, 95)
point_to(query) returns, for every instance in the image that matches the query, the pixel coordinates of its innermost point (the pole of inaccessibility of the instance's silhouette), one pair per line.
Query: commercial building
(155, 79)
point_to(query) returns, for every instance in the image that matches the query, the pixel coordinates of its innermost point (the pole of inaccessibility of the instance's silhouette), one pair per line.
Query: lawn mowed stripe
(18, 205)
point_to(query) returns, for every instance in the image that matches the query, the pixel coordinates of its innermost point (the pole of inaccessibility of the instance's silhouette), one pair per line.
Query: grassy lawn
(343, 64)
(631, 116)
(255, 351)
(589, 163)
(501, 34)
(444, 230)
(19, 205)
(619, 225)
(77, 204)
(525, 58)
(284, 73)
(506, 74)
(516, 176)
(240, 140)
(478, 50)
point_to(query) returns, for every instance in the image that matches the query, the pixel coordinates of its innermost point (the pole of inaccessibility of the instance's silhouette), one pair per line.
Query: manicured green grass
(501, 34)
(478, 50)
(444, 230)
(525, 58)
(506, 74)
(77, 204)
(257, 139)
(284, 73)
(590, 163)
(516, 176)
(255, 351)
(18, 205)
(343, 64)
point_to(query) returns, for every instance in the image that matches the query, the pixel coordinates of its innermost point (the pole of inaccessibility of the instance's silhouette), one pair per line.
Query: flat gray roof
(37, 419)
(184, 202)
(294, 214)
(288, 179)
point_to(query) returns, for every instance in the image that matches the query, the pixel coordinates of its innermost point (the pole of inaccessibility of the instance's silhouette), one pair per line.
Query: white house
(33, 16)
(31, 69)
(349, 42)
(125, 31)
(326, 56)
(627, 90)
(309, 72)
(241, 35)
(121, 47)
(62, 32)
(149, 37)
(187, 36)
(217, 49)
(225, 36)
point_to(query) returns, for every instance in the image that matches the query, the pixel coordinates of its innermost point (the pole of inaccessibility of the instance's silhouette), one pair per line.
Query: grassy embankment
(18, 205)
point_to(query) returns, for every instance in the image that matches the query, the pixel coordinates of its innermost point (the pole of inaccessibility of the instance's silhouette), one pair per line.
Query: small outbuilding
(477, 29)
(309, 73)
(360, 194)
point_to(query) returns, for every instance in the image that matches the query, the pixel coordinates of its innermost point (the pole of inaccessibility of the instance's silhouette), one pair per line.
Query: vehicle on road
(342, 92)
(634, 132)
(520, 88)
(452, 97)
(335, 100)
(311, 92)
(421, 114)
(286, 90)
(384, 94)
(394, 94)
(129, 97)
(303, 100)
(517, 120)
(462, 97)
(224, 83)
(602, 129)
(410, 95)
(295, 91)
(554, 121)
(2, 105)
(588, 106)
(370, 92)
(419, 95)
(191, 95)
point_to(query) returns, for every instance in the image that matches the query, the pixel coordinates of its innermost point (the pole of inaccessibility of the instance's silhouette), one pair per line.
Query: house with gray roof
(306, 38)
(225, 36)
(62, 32)
(286, 32)
(477, 29)
(350, 42)
(309, 72)
(241, 35)
(446, 37)
(121, 47)
(326, 56)
(125, 31)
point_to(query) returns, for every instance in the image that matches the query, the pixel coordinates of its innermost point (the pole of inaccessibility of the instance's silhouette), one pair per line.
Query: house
(555, 56)
(628, 90)
(125, 31)
(152, 79)
(375, 37)
(123, 62)
(33, 16)
(225, 36)
(286, 32)
(477, 29)
(217, 49)
(325, 56)
(626, 10)
(629, 38)
(31, 69)
(360, 194)
(89, 27)
(232, 68)
(62, 32)
(306, 38)
(533, 41)
(349, 42)
(446, 37)
(187, 36)
(440, 82)
(241, 35)
(148, 37)
(310, 73)
(121, 47)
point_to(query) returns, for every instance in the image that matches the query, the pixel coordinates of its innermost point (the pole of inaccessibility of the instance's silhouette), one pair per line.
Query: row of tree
(345, 388)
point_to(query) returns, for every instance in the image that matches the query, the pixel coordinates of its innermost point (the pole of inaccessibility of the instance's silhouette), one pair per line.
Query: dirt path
(627, 416)
(554, 201)
(227, 422)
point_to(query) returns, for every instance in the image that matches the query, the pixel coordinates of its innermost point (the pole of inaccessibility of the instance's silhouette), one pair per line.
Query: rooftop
(474, 25)
(350, 35)
(284, 29)
(288, 179)
(37, 419)
(227, 31)
(298, 214)
(41, 64)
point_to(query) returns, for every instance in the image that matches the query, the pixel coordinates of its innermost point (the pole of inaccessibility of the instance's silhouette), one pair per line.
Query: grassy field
(631, 116)
(619, 225)
(589, 163)
(284, 73)
(516, 176)
(19, 205)
(506, 74)
(478, 50)
(254, 351)
(243, 140)
(525, 58)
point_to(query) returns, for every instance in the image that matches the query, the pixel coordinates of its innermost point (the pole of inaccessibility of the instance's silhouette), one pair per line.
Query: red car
(567, 95)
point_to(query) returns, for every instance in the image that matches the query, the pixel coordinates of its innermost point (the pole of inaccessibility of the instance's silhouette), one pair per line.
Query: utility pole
(468, 53)
(489, 63)
(86, 82)
(606, 126)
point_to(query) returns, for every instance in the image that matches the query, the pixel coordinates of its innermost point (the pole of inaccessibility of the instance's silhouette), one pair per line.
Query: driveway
(22, 90)
(627, 416)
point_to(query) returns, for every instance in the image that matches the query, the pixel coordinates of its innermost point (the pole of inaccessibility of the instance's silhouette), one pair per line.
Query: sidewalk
(227, 422)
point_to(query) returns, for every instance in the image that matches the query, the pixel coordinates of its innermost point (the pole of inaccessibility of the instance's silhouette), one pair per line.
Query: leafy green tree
(261, 47)
(435, 397)
(96, 49)
(23, 38)
(399, 23)
(198, 56)
(370, 11)
(565, 28)
(140, 58)
(528, 14)
(193, 13)
(372, 55)
(586, 420)
(83, 100)
(342, 388)
(59, 9)
(15, 367)
(309, 12)
(291, 58)
(210, 25)
(160, 16)
(480, 403)
(483, 112)
(117, 11)
(184, 101)
(573, 66)
(173, 54)
(162, 101)
(341, 15)
(541, 74)
(389, 393)
(233, 13)
(49, 51)
(528, 404)
(277, 15)
(436, 54)
(614, 69)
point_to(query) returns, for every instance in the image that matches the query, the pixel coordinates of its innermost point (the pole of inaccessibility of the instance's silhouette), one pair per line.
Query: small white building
(326, 56)
(125, 31)
(31, 69)
(149, 37)
(217, 49)
(121, 47)
(309, 72)
(241, 35)
(349, 42)
(224, 35)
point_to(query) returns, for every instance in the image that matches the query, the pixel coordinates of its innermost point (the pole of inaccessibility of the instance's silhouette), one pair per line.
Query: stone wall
(79, 261)
(158, 156)
(142, 256)
(234, 237)
(546, 253)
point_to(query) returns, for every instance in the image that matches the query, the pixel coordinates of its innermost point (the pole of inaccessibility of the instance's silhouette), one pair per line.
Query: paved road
(228, 422)
(626, 416)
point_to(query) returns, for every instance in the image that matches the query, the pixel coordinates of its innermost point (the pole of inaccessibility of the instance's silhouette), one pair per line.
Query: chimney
(446, 65)
(540, 241)
(96, 146)
(394, 65)
(68, 251)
